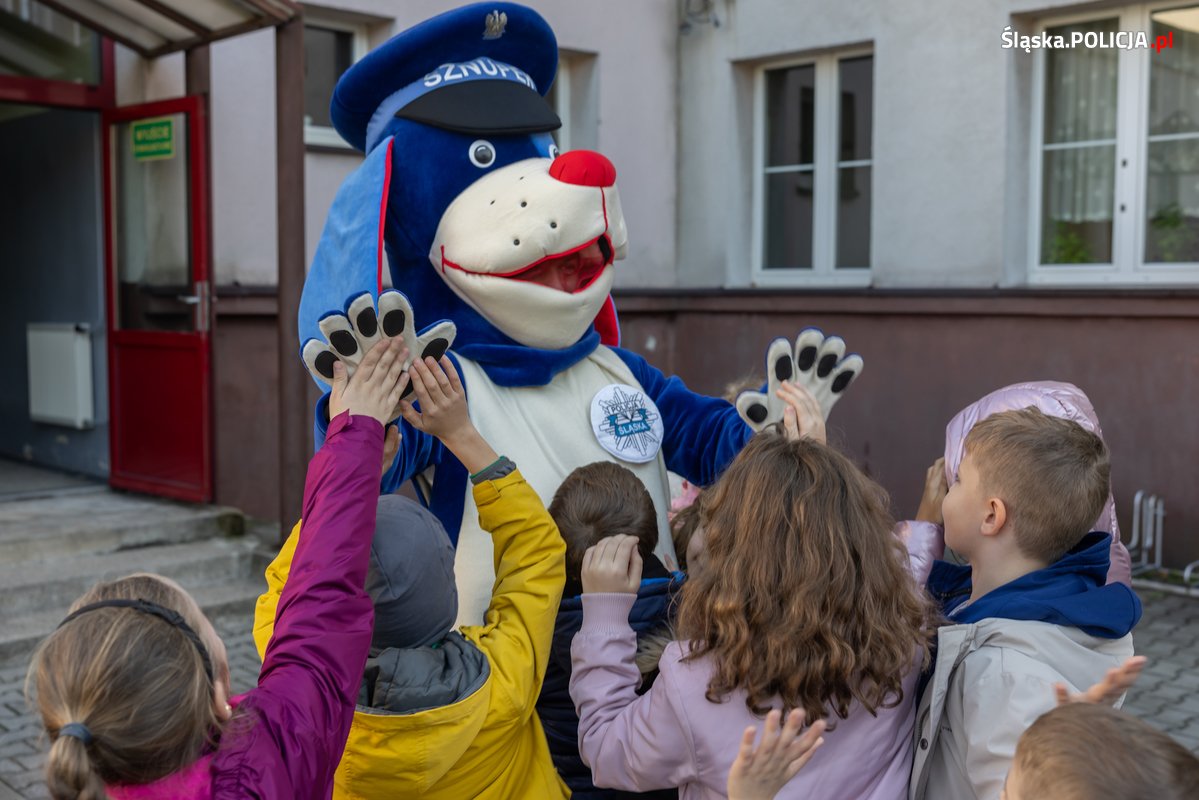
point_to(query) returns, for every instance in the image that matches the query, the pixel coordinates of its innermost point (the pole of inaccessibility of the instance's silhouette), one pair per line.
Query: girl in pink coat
(808, 602)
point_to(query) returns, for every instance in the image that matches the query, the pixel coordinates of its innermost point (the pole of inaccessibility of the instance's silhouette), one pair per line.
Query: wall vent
(60, 374)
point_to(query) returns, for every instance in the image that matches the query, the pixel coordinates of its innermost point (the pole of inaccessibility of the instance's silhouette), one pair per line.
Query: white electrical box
(60, 374)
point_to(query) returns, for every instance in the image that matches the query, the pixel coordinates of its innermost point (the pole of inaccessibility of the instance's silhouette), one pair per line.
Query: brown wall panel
(927, 357)
(246, 381)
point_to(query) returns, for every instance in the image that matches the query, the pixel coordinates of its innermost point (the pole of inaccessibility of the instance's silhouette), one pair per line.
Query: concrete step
(231, 602)
(104, 522)
(30, 586)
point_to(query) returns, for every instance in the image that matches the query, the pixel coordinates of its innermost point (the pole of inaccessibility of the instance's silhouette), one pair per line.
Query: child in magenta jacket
(132, 687)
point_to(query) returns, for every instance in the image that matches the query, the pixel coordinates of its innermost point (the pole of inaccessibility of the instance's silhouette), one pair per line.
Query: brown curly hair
(809, 598)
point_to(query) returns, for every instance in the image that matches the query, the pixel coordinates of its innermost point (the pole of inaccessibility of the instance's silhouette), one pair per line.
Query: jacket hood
(406, 680)
(429, 704)
(659, 587)
(1070, 592)
(1055, 399)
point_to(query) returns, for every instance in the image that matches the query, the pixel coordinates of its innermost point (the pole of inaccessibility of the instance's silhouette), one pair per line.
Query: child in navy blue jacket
(595, 501)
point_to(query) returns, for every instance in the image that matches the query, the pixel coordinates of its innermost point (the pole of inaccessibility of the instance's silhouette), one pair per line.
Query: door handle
(190, 299)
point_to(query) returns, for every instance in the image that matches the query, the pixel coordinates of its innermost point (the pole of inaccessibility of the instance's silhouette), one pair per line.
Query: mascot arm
(417, 452)
(701, 434)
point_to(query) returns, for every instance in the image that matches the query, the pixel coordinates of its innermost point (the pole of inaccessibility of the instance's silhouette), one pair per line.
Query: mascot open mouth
(571, 272)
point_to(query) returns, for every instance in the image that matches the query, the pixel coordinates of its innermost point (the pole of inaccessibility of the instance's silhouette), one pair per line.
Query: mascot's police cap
(434, 73)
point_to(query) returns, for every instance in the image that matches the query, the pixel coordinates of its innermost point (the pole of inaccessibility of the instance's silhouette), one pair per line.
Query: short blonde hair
(1052, 474)
(1084, 751)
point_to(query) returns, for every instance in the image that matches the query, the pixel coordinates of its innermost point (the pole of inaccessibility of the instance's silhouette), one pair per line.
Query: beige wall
(634, 43)
(951, 133)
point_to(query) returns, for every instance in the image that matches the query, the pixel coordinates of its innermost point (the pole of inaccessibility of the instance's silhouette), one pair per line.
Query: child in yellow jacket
(443, 713)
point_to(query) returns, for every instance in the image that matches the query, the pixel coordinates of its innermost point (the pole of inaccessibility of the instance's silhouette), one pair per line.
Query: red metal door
(159, 314)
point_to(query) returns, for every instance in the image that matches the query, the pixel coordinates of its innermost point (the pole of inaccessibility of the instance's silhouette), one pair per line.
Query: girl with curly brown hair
(808, 603)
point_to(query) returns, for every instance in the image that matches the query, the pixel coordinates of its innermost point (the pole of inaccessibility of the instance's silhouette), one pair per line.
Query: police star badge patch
(626, 423)
(496, 22)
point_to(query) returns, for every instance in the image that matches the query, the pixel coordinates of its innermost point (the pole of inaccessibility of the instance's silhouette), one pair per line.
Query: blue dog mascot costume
(465, 207)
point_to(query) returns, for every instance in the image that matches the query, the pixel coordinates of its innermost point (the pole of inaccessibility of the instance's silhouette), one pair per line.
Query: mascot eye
(482, 153)
(554, 151)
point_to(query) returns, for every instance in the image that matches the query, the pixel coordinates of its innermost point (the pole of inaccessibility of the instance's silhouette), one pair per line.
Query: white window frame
(824, 271)
(575, 100)
(327, 135)
(561, 85)
(1128, 267)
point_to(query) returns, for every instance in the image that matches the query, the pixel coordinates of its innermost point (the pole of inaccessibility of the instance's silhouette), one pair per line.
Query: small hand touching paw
(350, 335)
(817, 362)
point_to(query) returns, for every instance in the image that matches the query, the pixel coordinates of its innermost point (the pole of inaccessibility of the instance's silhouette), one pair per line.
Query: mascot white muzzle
(530, 246)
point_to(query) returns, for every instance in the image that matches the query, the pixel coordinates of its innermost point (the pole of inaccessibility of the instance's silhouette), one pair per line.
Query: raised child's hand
(759, 774)
(442, 400)
(376, 385)
(935, 488)
(802, 415)
(612, 565)
(1116, 682)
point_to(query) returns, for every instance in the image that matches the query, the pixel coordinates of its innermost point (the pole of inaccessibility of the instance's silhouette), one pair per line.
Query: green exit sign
(153, 139)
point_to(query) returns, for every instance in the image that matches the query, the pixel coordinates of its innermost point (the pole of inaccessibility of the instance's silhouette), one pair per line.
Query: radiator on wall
(60, 374)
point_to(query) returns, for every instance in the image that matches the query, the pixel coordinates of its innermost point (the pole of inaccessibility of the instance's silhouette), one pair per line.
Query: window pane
(327, 54)
(789, 220)
(153, 226)
(790, 115)
(1172, 201)
(853, 217)
(857, 101)
(1076, 205)
(1174, 76)
(1080, 88)
(38, 42)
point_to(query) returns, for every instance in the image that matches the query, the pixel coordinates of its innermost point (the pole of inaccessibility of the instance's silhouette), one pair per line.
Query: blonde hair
(1052, 474)
(1084, 751)
(808, 596)
(137, 683)
(750, 382)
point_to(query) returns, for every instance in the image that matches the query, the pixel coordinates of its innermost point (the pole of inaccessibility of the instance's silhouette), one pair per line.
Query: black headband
(165, 614)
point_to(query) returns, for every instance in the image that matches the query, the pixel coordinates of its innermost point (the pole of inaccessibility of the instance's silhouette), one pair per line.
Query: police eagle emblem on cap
(496, 22)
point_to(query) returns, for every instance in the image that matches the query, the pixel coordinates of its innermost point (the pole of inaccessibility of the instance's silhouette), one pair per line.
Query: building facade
(966, 199)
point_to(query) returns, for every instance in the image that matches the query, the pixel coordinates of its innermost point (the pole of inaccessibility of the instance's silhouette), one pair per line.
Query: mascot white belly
(554, 421)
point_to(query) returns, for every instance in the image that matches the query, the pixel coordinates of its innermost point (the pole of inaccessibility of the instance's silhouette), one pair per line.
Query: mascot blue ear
(349, 258)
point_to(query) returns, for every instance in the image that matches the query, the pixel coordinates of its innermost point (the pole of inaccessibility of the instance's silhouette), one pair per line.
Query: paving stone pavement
(1166, 695)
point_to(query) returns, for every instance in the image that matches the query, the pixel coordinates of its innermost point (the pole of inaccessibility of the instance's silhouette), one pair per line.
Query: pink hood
(1056, 399)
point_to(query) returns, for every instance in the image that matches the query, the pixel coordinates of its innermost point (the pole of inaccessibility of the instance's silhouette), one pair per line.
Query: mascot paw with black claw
(817, 362)
(351, 334)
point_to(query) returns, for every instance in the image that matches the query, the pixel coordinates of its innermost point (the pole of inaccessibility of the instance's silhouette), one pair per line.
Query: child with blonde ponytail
(133, 685)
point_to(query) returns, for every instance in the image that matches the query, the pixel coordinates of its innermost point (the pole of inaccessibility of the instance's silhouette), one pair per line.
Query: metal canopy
(156, 27)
